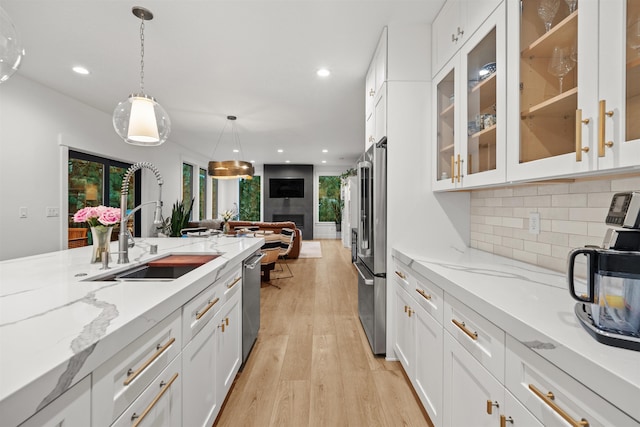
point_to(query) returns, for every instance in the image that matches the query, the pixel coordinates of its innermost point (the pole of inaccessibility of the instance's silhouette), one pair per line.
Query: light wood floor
(312, 364)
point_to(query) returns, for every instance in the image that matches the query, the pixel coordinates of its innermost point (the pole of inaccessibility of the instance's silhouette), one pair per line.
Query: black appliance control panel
(624, 210)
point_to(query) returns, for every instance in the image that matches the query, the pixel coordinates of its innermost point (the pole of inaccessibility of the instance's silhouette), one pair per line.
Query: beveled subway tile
(570, 227)
(503, 251)
(485, 228)
(525, 190)
(554, 238)
(599, 200)
(538, 201)
(503, 231)
(569, 200)
(513, 243)
(494, 201)
(554, 213)
(513, 201)
(626, 184)
(552, 263)
(493, 220)
(590, 186)
(560, 252)
(597, 229)
(558, 188)
(503, 192)
(513, 222)
(588, 214)
(484, 246)
(577, 240)
(538, 248)
(529, 257)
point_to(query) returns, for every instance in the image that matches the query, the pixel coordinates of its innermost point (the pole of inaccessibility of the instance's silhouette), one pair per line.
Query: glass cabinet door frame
(449, 182)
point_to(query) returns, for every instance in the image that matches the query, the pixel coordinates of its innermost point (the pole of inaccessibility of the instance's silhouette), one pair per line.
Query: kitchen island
(514, 323)
(57, 325)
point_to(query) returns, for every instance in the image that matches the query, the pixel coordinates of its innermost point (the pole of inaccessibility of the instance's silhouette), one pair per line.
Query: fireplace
(295, 218)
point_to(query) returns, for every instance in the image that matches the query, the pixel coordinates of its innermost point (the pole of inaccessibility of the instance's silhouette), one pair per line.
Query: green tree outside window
(329, 201)
(249, 209)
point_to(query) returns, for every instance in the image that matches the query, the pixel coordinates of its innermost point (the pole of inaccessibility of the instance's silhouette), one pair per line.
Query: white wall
(37, 127)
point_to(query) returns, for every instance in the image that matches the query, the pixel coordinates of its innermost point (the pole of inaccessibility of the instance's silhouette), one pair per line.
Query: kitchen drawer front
(530, 378)
(160, 404)
(232, 284)
(423, 291)
(202, 308)
(120, 380)
(483, 339)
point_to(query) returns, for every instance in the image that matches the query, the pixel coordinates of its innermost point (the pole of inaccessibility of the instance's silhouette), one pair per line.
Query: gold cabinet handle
(504, 420)
(459, 165)
(602, 114)
(221, 326)
(401, 275)
(453, 173)
(163, 388)
(548, 399)
(410, 312)
(406, 307)
(226, 320)
(423, 293)
(579, 148)
(490, 406)
(234, 283)
(199, 314)
(463, 327)
(132, 375)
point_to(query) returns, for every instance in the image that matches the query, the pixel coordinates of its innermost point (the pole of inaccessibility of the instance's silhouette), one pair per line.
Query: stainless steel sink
(160, 270)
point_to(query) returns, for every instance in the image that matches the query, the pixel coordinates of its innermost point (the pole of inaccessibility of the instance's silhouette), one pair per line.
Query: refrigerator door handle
(362, 274)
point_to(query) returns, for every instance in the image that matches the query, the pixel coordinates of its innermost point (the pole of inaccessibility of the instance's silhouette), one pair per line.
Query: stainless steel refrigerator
(371, 260)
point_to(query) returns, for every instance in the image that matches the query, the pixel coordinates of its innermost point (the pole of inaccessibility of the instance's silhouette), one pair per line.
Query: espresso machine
(609, 309)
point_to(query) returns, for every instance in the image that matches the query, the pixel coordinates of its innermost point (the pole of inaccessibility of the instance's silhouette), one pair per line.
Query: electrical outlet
(534, 222)
(22, 212)
(51, 212)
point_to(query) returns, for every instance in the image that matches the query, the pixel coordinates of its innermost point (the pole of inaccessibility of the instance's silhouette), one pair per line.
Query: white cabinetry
(229, 342)
(72, 408)
(375, 94)
(588, 124)
(160, 404)
(470, 107)
(456, 22)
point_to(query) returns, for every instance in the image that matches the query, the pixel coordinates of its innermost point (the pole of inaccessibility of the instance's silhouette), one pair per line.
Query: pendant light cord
(219, 139)
(142, 55)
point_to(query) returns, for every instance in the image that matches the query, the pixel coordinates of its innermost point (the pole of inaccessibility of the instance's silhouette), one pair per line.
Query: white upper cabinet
(470, 107)
(578, 88)
(454, 25)
(375, 99)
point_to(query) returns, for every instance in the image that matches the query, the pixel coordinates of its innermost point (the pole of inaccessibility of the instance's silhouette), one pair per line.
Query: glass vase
(226, 227)
(101, 236)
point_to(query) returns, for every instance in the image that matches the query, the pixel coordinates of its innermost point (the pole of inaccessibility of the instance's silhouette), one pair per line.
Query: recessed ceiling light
(324, 161)
(325, 151)
(323, 72)
(287, 161)
(235, 150)
(280, 150)
(80, 70)
(252, 161)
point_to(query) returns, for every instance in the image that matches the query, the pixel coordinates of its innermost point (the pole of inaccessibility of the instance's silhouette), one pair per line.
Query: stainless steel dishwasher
(250, 303)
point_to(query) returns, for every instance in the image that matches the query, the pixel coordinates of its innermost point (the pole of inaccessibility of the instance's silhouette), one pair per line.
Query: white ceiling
(208, 59)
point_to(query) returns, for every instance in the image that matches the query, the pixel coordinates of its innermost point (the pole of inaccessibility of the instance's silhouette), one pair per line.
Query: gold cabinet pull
(459, 165)
(504, 420)
(199, 314)
(602, 114)
(226, 320)
(423, 293)
(463, 327)
(163, 388)
(401, 275)
(234, 283)
(406, 307)
(490, 406)
(221, 326)
(548, 399)
(579, 148)
(409, 312)
(132, 375)
(453, 170)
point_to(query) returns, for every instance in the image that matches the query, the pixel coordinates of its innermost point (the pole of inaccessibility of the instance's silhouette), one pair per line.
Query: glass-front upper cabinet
(575, 87)
(470, 105)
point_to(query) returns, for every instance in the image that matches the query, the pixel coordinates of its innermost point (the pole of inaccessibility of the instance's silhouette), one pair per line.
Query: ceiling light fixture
(139, 119)
(323, 72)
(80, 70)
(325, 151)
(280, 150)
(230, 169)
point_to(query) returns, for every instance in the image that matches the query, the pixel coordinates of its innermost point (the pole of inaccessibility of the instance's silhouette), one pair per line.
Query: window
(329, 201)
(95, 181)
(187, 183)
(214, 198)
(249, 199)
(203, 193)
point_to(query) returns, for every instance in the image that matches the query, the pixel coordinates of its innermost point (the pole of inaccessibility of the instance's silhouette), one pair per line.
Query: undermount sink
(163, 269)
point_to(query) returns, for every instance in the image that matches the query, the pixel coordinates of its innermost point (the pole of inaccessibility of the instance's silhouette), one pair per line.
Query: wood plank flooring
(312, 364)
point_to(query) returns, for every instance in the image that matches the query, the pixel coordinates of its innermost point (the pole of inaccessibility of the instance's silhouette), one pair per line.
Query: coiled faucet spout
(123, 237)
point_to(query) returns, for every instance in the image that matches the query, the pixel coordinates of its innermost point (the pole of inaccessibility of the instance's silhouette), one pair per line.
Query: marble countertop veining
(56, 327)
(533, 305)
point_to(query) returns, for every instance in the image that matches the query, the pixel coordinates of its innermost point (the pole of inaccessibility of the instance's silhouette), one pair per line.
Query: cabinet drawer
(232, 284)
(428, 295)
(72, 408)
(159, 404)
(483, 339)
(120, 380)
(554, 397)
(202, 308)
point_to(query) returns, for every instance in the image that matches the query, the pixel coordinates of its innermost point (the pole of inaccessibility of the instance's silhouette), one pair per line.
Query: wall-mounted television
(286, 187)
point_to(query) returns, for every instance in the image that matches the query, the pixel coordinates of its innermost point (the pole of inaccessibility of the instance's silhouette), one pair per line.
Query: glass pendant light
(11, 51)
(230, 169)
(139, 119)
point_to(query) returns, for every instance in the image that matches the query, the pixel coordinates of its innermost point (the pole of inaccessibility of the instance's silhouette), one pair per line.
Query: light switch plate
(52, 212)
(22, 212)
(534, 222)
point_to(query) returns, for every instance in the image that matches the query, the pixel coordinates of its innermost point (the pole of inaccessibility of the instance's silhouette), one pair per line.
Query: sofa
(216, 224)
(275, 227)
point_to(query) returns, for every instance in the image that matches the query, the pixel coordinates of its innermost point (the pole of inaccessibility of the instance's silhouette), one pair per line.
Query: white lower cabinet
(472, 396)
(405, 332)
(552, 396)
(428, 363)
(229, 344)
(72, 408)
(514, 414)
(160, 404)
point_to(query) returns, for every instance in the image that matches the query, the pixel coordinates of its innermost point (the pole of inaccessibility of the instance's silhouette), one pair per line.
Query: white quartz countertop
(56, 327)
(533, 305)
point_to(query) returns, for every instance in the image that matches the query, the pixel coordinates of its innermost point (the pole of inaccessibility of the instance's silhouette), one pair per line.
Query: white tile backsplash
(572, 214)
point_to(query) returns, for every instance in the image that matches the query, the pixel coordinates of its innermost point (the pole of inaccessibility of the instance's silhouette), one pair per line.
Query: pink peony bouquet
(98, 215)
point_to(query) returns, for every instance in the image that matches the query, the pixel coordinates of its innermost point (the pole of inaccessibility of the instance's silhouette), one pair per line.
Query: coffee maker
(610, 308)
